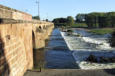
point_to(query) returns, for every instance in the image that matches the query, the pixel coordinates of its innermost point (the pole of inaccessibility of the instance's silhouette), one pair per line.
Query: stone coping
(8, 21)
(11, 9)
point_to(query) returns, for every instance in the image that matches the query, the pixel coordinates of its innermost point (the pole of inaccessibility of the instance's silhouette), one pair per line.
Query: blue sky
(60, 8)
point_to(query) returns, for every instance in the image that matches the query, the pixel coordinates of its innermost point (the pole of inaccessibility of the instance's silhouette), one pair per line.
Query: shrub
(112, 40)
(69, 32)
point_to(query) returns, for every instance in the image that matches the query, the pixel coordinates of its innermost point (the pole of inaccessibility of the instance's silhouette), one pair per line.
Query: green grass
(79, 25)
(102, 31)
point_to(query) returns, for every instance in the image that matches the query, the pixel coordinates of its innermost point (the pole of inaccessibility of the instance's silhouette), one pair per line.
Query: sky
(51, 9)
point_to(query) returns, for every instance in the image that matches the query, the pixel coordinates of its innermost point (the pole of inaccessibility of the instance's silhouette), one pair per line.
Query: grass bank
(77, 25)
(102, 31)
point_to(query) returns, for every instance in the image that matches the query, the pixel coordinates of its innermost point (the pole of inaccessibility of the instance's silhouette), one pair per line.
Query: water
(57, 54)
(39, 58)
(70, 52)
(89, 44)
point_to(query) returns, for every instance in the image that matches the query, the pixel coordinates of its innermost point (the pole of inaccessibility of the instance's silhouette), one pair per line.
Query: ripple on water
(89, 44)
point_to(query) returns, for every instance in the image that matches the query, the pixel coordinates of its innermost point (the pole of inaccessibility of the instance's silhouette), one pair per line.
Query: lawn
(76, 25)
(102, 31)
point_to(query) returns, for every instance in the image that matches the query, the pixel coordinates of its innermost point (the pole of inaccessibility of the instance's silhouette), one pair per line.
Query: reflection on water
(57, 54)
(89, 44)
(39, 58)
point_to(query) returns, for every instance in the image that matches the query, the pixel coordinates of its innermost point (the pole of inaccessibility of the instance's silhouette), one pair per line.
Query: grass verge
(102, 31)
(77, 25)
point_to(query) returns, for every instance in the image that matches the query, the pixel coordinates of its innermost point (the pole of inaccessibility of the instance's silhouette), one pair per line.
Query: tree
(113, 21)
(102, 21)
(80, 18)
(112, 40)
(36, 17)
(110, 14)
(98, 19)
(92, 19)
(60, 21)
(70, 21)
(47, 20)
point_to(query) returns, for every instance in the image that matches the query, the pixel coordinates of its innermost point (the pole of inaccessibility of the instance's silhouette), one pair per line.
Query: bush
(69, 32)
(112, 40)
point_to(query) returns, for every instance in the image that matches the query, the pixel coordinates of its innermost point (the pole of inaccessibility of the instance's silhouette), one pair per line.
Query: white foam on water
(101, 43)
(89, 44)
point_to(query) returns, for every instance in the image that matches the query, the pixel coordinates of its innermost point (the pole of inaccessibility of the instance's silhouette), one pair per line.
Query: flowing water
(89, 44)
(57, 54)
(70, 51)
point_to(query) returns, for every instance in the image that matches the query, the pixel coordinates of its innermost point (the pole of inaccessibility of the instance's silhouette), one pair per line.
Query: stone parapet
(10, 13)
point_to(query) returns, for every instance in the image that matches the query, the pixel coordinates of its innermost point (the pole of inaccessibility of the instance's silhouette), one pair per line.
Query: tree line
(64, 21)
(97, 20)
(93, 20)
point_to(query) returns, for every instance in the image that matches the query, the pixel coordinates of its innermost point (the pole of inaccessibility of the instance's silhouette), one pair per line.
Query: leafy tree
(70, 21)
(102, 21)
(113, 21)
(64, 21)
(110, 19)
(112, 40)
(36, 17)
(91, 20)
(60, 21)
(96, 19)
(47, 20)
(80, 18)
(110, 14)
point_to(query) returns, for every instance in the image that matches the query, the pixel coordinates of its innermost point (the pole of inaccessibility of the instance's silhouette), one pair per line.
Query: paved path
(71, 72)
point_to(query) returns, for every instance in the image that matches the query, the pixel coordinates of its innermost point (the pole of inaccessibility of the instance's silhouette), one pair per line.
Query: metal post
(38, 9)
